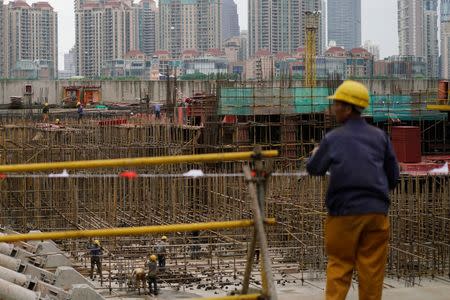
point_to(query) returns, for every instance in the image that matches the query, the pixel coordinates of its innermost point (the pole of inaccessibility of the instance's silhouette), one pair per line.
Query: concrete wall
(130, 91)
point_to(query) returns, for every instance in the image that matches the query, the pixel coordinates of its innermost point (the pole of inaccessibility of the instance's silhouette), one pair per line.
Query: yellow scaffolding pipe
(122, 231)
(130, 162)
(237, 297)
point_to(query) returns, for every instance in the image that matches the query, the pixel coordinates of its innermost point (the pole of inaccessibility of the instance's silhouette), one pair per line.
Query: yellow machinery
(312, 27)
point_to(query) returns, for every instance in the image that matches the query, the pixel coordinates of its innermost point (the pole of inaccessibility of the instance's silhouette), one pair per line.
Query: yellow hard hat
(45, 104)
(57, 120)
(97, 242)
(153, 257)
(352, 92)
(78, 103)
(164, 237)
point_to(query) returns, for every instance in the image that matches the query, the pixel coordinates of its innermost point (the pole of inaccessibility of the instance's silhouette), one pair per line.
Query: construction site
(288, 117)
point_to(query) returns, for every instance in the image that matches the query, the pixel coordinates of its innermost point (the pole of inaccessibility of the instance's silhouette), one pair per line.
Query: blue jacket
(95, 250)
(363, 168)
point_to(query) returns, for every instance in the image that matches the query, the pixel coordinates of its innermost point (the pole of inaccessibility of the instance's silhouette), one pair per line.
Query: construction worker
(363, 168)
(80, 111)
(195, 247)
(96, 252)
(157, 108)
(45, 111)
(161, 251)
(152, 275)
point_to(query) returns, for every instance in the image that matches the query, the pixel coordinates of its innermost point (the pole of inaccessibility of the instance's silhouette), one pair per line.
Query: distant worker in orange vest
(363, 168)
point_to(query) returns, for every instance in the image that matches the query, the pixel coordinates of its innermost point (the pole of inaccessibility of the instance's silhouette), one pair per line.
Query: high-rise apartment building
(69, 62)
(445, 39)
(430, 37)
(230, 19)
(274, 25)
(189, 24)
(279, 26)
(2, 29)
(144, 20)
(410, 25)
(30, 37)
(243, 50)
(418, 31)
(344, 23)
(373, 48)
(104, 32)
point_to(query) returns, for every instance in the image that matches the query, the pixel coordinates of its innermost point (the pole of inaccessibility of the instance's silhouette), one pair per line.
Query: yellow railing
(133, 162)
(124, 231)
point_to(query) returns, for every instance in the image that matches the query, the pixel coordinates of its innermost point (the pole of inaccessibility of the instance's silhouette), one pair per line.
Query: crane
(311, 30)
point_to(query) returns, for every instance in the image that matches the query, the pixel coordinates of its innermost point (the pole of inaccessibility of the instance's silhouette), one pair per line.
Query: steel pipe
(122, 231)
(132, 162)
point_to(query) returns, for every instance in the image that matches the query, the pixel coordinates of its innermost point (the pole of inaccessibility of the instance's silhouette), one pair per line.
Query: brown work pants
(359, 242)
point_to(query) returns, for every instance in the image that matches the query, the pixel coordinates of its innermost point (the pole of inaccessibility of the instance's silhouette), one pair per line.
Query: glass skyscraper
(344, 23)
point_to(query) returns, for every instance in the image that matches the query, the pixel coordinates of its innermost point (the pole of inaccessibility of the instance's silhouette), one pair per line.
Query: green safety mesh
(288, 101)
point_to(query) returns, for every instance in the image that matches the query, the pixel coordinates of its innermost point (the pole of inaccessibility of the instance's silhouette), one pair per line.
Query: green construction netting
(288, 101)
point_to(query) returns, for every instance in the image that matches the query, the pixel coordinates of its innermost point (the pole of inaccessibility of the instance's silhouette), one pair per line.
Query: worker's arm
(320, 160)
(391, 165)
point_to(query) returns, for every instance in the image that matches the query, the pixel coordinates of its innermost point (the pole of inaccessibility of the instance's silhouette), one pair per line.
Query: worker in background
(157, 111)
(195, 247)
(161, 251)
(152, 276)
(96, 252)
(80, 111)
(45, 111)
(363, 168)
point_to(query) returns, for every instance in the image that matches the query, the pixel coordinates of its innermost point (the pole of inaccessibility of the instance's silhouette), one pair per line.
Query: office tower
(344, 23)
(230, 19)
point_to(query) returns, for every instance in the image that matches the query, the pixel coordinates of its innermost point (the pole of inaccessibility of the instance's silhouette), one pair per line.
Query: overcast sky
(379, 24)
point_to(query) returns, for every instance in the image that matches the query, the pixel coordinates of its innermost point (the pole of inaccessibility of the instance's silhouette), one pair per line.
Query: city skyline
(372, 29)
(382, 33)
